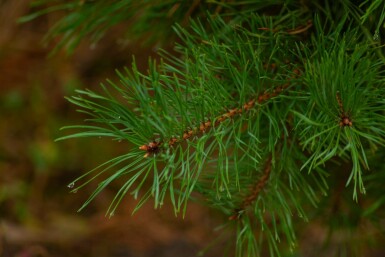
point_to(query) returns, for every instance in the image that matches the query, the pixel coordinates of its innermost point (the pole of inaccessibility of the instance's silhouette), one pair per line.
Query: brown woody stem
(255, 191)
(345, 120)
(155, 147)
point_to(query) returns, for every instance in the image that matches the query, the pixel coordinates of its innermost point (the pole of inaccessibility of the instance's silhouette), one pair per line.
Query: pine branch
(302, 85)
(155, 147)
(93, 19)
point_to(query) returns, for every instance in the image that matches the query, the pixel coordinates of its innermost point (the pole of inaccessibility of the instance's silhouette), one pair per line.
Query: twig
(255, 192)
(154, 147)
(345, 119)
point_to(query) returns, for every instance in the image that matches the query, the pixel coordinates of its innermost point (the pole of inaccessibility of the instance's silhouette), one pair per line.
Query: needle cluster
(265, 107)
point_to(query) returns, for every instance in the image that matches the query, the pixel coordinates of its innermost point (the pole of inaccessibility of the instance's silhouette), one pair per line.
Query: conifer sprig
(253, 100)
(149, 20)
(343, 111)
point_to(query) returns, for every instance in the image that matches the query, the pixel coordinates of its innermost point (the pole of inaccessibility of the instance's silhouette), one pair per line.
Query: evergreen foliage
(265, 110)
